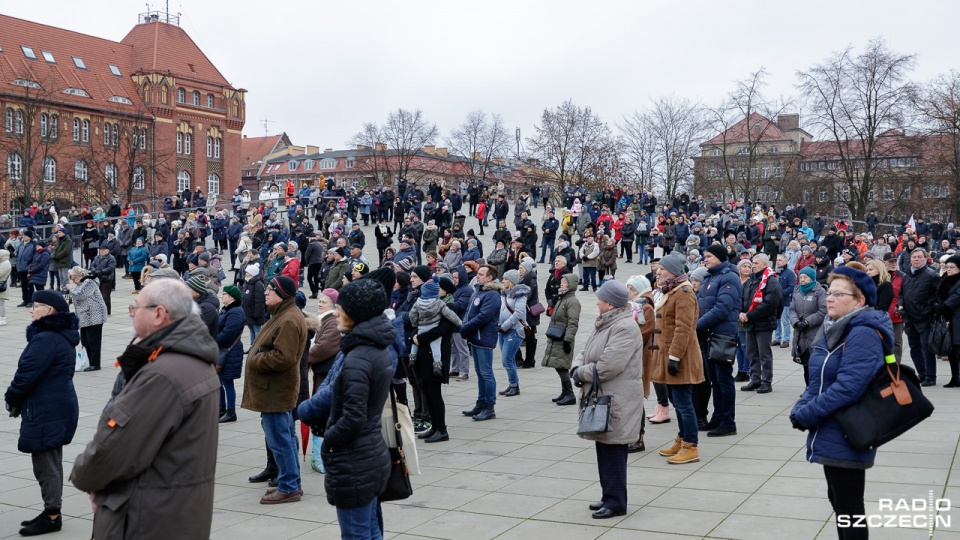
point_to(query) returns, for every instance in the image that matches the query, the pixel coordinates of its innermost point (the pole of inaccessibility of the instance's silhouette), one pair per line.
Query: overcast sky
(319, 70)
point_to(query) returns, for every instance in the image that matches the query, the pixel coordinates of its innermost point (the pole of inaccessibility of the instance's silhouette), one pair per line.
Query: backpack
(641, 227)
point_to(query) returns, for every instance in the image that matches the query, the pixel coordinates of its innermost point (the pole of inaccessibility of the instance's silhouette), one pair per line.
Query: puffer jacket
(513, 309)
(272, 374)
(209, 308)
(845, 359)
(812, 308)
(461, 296)
(616, 349)
(763, 317)
(39, 267)
(173, 470)
(480, 323)
(566, 313)
(354, 453)
(254, 303)
(719, 300)
(229, 332)
(88, 303)
(42, 387)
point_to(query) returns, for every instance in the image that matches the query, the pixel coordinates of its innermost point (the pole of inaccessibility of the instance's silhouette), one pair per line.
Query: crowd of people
(728, 283)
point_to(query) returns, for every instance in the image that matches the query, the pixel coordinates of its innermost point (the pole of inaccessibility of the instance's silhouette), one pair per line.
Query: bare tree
(853, 101)
(569, 142)
(396, 144)
(744, 120)
(939, 106)
(640, 149)
(482, 140)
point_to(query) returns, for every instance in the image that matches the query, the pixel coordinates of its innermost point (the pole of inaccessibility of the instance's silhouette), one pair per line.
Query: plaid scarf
(671, 284)
(758, 294)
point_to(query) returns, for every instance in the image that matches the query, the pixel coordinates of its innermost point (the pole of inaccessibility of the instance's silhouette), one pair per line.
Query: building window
(85, 131)
(309, 164)
(28, 52)
(143, 138)
(183, 181)
(76, 130)
(49, 169)
(106, 134)
(209, 147)
(15, 166)
(186, 144)
(48, 56)
(181, 95)
(824, 196)
(116, 135)
(80, 171)
(213, 185)
(351, 163)
(79, 63)
(216, 148)
(743, 150)
(717, 152)
(18, 122)
(765, 172)
(196, 98)
(9, 121)
(44, 125)
(888, 194)
(179, 143)
(807, 195)
(210, 100)
(774, 149)
(110, 175)
(138, 178)
(328, 163)
(777, 171)
(54, 126)
(292, 165)
(115, 70)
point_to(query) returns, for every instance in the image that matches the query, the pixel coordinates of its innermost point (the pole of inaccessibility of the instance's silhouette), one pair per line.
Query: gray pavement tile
(742, 483)
(266, 526)
(747, 527)
(786, 506)
(509, 504)
(673, 520)
(442, 498)
(544, 529)
(542, 486)
(697, 499)
(462, 525)
(514, 465)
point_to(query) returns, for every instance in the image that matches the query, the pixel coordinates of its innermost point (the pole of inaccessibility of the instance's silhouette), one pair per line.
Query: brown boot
(637, 446)
(673, 450)
(688, 454)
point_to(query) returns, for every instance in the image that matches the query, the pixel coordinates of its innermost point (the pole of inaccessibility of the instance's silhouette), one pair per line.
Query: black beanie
(386, 277)
(717, 251)
(422, 272)
(403, 279)
(53, 299)
(284, 287)
(362, 299)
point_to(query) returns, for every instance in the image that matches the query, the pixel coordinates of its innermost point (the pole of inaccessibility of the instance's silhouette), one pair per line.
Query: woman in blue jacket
(136, 260)
(230, 362)
(848, 354)
(42, 391)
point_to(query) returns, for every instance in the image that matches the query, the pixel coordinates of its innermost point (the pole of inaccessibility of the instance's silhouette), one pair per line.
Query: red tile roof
(253, 149)
(96, 53)
(738, 133)
(160, 46)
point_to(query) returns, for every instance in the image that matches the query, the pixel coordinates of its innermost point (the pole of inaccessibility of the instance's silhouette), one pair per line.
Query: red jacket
(291, 269)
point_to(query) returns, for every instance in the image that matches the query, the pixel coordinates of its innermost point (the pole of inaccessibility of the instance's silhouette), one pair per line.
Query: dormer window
(292, 165)
(76, 92)
(120, 99)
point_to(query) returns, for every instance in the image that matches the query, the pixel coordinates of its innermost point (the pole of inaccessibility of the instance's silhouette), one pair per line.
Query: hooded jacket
(272, 374)
(209, 309)
(144, 493)
(846, 357)
(354, 452)
(42, 387)
(566, 313)
(229, 334)
(513, 309)
(480, 323)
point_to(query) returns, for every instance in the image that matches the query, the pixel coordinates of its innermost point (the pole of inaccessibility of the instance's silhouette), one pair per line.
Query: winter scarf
(758, 295)
(671, 284)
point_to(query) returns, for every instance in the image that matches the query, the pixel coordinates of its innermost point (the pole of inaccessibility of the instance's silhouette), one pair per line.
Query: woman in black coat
(42, 389)
(384, 238)
(230, 362)
(948, 296)
(431, 378)
(254, 301)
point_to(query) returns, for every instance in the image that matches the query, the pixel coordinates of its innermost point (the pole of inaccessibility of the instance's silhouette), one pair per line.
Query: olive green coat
(566, 313)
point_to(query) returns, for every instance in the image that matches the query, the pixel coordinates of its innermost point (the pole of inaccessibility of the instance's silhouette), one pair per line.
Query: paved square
(526, 474)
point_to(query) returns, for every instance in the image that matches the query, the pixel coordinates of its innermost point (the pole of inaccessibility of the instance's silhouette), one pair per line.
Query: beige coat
(5, 269)
(676, 335)
(616, 347)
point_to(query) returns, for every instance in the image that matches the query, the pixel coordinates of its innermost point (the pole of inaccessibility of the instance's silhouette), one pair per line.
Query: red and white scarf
(758, 294)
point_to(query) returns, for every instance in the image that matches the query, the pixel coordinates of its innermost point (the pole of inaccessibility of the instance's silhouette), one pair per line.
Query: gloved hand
(437, 369)
(796, 423)
(566, 347)
(673, 367)
(575, 377)
(12, 409)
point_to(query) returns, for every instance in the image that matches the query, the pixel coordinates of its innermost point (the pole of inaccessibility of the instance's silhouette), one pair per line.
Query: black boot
(567, 398)
(229, 415)
(438, 436)
(44, 525)
(486, 414)
(475, 410)
(269, 473)
(563, 394)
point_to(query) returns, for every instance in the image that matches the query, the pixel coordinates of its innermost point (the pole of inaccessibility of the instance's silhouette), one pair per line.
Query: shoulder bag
(892, 404)
(527, 329)
(536, 310)
(556, 331)
(398, 483)
(722, 349)
(594, 409)
(940, 340)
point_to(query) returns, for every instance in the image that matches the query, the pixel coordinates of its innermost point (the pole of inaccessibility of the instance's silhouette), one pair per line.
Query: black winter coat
(230, 329)
(254, 303)
(42, 387)
(764, 316)
(443, 331)
(209, 308)
(916, 292)
(530, 280)
(354, 453)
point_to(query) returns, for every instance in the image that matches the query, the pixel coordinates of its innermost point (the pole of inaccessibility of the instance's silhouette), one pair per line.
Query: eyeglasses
(132, 308)
(840, 293)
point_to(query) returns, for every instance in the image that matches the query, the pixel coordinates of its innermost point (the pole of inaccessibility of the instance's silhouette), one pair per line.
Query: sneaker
(688, 454)
(43, 525)
(420, 426)
(463, 377)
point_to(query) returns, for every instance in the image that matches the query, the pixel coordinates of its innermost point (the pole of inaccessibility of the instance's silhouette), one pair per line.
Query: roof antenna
(265, 123)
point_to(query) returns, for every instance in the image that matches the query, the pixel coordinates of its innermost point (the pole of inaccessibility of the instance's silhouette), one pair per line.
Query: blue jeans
(643, 255)
(724, 395)
(782, 333)
(486, 382)
(282, 441)
(546, 243)
(681, 395)
(743, 363)
(254, 330)
(509, 345)
(359, 522)
(590, 277)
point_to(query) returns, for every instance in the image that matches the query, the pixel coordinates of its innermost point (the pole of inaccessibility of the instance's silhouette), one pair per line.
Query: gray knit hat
(699, 274)
(614, 293)
(513, 276)
(673, 263)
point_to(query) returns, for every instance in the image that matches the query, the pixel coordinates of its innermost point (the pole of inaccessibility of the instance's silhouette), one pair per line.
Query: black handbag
(941, 338)
(556, 331)
(398, 483)
(722, 349)
(892, 404)
(594, 409)
(3, 285)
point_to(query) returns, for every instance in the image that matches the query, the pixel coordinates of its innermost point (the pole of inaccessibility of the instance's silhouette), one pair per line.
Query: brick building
(86, 117)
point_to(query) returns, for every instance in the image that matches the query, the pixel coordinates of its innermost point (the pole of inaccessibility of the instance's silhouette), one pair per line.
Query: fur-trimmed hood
(517, 291)
(66, 324)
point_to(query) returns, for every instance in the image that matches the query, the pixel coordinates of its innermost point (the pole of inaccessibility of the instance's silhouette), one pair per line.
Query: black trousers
(702, 391)
(626, 249)
(438, 410)
(612, 466)
(26, 289)
(663, 397)
(845, 491)
(91, 337)
(530, 346)
(313, 277)
(106, 287)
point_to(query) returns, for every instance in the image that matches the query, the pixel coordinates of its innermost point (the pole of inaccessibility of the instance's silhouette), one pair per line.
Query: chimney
(442, 152)
(429, 148)
(326, 150)
(362, 147)
(476, 156)
(380, 147)
(788, 121)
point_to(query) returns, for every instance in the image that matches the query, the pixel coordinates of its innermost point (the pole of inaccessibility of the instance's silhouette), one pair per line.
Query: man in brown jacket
(272, 382)
(148, 466)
